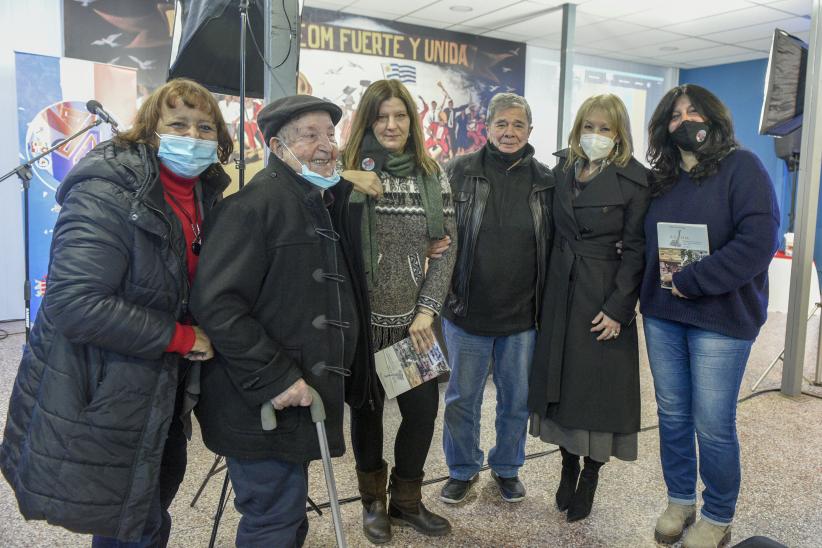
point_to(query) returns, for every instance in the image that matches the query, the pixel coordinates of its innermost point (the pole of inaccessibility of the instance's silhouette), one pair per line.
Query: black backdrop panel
(209, 50)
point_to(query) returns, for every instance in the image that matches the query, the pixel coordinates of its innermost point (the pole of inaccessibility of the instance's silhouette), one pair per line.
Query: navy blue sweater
(728, 290)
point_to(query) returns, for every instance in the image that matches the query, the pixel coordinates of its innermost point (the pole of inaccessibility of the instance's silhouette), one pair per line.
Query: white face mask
(595, 146)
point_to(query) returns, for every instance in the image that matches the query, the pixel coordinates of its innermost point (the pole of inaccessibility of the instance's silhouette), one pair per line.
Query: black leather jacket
(470, 190)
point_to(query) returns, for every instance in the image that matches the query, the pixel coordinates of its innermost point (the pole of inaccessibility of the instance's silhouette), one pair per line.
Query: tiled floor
(781, 493)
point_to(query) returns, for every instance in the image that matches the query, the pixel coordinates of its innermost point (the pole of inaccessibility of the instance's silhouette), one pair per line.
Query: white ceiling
(685, 34)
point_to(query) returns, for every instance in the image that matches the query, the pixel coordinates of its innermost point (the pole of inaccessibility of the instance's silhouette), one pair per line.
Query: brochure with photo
(400, 368)
(679, 245)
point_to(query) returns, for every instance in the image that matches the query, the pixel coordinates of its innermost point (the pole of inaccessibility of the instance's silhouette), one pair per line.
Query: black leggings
(418, 408)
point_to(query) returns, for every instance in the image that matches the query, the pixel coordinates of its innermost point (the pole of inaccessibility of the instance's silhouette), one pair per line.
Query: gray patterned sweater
(403, 283)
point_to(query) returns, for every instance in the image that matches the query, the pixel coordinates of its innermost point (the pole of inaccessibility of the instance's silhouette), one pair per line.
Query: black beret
(276, 114)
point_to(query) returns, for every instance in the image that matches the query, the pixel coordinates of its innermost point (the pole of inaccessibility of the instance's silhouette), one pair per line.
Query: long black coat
(577, 381)
(262, 296)
(94, 395)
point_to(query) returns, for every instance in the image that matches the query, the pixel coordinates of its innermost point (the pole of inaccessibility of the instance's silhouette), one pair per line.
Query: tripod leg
(767, 370)
(314, 506)
(219, 514)
(211, 472)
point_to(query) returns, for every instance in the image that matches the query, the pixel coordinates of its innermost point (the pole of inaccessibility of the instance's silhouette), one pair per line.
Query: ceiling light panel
(793, 7)
(641, 39)
(605, 30)
(664, 14)
(441, 11)
(732, 36)
(334, 5)
(614, 10)
(753, 15)
(502, 17)
(405, 7)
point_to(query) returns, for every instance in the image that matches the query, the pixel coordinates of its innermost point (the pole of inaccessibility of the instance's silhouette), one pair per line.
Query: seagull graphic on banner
(407, 74)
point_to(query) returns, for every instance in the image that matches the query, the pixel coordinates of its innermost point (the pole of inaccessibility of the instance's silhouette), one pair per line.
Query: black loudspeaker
(787, 148)
(209, 46)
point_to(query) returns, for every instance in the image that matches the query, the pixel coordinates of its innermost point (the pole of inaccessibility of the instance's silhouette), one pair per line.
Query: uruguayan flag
(407, 74)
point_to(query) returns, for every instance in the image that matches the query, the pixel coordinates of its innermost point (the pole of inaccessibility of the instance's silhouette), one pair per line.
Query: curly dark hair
(663, 154)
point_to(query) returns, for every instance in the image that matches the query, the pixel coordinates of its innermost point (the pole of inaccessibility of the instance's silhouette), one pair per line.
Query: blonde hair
(192, 95)
(367, 111)
(616, 113)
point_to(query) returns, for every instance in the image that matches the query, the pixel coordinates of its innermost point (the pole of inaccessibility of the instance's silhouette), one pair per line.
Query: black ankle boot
(568, 479)
(583, 499)
(406, 508)
(375, 523)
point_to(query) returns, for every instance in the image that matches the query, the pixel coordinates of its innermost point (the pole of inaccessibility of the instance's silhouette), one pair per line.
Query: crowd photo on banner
(398, 239)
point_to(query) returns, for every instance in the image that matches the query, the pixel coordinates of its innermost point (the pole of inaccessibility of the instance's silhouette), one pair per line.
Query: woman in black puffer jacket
(94, 438)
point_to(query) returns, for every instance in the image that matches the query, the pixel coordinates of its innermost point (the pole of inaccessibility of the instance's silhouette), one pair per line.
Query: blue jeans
(697, 374)
(270, 495)
(471, 357)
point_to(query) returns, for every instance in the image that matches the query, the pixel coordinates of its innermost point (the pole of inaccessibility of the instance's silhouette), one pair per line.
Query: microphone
(96, 108)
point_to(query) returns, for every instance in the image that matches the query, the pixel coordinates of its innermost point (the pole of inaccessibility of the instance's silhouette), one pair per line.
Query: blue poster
(51, 105)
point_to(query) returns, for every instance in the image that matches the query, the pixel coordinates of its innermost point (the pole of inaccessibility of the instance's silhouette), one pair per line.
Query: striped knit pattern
(403, 282)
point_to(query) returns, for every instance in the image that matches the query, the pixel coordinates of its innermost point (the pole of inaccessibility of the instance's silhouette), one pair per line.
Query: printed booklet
(400, 368)
(679, 245)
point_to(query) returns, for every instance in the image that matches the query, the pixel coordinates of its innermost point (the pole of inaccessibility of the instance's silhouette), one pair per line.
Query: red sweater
(181, 192)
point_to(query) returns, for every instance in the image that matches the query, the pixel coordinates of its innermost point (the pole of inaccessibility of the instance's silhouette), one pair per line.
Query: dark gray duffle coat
(268, 295)
(577, 381)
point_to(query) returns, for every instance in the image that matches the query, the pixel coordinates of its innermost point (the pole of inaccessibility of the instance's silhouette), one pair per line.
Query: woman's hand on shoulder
(436, 248)
(366, 182)
(421, 331)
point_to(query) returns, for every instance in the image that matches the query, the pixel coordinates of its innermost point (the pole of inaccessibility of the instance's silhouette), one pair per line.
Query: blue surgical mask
(186, 156)
(315, 178)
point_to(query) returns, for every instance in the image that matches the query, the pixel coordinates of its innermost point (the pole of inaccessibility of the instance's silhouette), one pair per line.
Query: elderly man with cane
(286, 307)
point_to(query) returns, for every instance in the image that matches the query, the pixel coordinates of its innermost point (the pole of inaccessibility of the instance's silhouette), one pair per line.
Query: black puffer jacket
(95, 391)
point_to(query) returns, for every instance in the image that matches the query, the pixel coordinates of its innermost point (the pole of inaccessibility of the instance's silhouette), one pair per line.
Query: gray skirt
(600, 446)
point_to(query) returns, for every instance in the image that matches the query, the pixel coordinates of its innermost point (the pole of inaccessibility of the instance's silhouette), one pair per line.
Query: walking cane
(269, 420)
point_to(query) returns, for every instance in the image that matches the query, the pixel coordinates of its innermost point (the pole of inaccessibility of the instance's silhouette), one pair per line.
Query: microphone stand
(23, 171)
(241, 130)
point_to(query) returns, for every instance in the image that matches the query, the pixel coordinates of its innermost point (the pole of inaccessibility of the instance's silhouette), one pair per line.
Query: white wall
(33, 26)
(542, 93)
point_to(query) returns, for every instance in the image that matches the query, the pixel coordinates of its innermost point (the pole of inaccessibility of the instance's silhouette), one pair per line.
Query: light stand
(781, 357)
(241, 159)
(23, 171)
(787, 147)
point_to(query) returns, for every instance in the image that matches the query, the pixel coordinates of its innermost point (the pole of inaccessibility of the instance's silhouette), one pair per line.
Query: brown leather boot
(375, 523)
(407, 510)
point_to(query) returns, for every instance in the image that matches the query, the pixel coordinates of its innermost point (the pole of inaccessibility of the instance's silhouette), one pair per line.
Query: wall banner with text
(452, 75)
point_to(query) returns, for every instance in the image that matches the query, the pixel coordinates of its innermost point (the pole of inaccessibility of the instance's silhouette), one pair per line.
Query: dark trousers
(418, 408)
(172, 470)
(270, 495)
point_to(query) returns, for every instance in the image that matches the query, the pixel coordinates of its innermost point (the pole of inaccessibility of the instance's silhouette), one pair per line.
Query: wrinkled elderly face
(312, 142)
(509, 130)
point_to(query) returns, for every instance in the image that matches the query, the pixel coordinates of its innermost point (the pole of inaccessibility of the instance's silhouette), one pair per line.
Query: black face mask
(690, 135)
